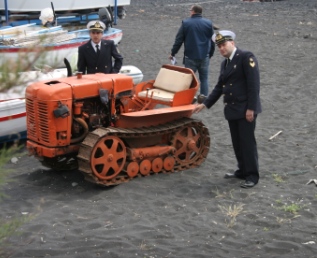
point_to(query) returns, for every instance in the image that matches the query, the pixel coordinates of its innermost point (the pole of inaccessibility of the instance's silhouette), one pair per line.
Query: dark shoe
(230, 175)
(201, 98)
(247, 184)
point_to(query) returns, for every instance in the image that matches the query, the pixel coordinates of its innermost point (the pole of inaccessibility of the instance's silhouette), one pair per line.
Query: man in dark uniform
(239, 83)
(96, 56)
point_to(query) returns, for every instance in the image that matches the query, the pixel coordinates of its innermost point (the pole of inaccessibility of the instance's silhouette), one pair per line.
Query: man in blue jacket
(239, 84)
(196, 32)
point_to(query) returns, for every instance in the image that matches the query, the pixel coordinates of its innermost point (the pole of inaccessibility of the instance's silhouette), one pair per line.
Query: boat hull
(59, 5)
(12, 120)
(51, 54)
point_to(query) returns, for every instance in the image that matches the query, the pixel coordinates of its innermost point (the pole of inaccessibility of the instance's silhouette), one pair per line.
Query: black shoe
(247, 184)
(230, 175)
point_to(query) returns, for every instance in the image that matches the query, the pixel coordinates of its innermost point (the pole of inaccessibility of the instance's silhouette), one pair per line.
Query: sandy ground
(194, 213)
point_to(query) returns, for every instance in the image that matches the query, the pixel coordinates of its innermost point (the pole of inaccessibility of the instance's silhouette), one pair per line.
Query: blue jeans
(200, 65)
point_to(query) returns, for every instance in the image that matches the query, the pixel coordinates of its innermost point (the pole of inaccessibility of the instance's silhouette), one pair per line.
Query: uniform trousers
(245, 148)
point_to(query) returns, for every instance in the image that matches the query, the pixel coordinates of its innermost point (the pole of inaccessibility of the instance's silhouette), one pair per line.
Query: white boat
(33, 45)
(10, 31)
(132, 71)
(16, 13)
(23, 79)
(12, 102)
(26, 6)
(12, 120)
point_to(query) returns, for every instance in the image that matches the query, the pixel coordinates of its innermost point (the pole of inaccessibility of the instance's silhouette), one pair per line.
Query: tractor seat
(166, 84)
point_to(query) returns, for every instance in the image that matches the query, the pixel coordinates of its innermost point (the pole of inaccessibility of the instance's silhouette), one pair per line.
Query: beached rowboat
(12, 120)
(34, 45)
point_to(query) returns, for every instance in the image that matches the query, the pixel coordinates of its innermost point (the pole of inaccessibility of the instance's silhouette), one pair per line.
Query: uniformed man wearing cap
(96, 56)
(239, 84)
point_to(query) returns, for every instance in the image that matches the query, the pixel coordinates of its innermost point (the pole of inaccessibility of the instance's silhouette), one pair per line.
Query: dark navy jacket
(89, 63)
(195, 32)
(239, 83)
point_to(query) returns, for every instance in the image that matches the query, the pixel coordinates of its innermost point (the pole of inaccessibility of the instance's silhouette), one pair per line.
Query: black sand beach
(194, 213)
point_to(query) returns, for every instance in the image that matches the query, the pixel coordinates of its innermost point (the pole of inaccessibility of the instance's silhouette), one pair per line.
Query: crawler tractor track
(105, 154)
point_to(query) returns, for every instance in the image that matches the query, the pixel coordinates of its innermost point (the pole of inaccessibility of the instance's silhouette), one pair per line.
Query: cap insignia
(219, 37)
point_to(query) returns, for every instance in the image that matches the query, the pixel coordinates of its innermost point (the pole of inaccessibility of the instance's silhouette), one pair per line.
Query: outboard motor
(105, 17)
(122, 13)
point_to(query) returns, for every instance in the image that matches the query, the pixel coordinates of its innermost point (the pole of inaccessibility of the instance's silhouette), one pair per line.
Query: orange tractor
(112, 130)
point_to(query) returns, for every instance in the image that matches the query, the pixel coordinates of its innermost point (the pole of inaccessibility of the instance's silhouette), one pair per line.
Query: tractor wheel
(188, 144)
(108, 157)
